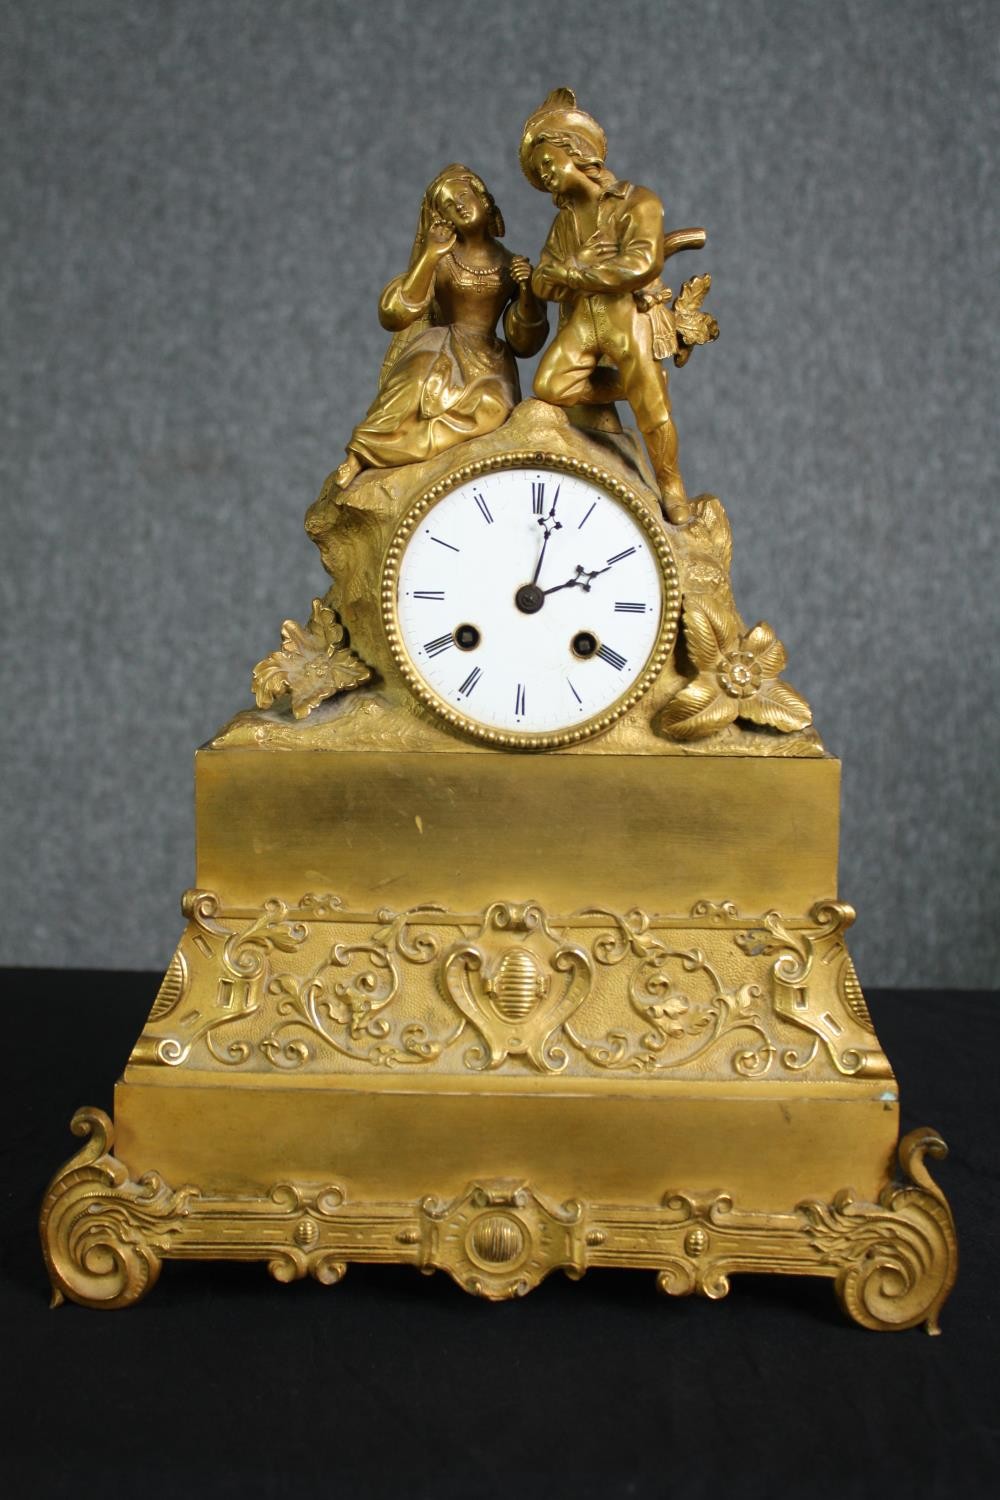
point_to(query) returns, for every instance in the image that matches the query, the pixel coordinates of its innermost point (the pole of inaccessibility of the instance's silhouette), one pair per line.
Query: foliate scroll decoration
(344, 1002)
(708, 1245)
(844, 1028)
(684, 1007)
(313, 663)
(293, 1218)
(734, 672)
(715, 911)
(103, 1235)
(242, 962)
(314, 987)
(893, 1262)
(253, 1006)
(517, 994)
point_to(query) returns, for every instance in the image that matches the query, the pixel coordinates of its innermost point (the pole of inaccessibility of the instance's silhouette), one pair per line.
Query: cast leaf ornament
(738, 677)
(693, 326)
(314, 662)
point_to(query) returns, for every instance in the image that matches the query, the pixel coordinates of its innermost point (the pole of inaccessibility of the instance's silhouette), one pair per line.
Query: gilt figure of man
(602, 263)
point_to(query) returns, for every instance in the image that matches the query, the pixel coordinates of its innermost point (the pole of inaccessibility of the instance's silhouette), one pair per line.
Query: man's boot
(661, 442)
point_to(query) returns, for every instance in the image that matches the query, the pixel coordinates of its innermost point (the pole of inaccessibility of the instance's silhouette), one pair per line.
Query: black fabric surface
(222, 1382)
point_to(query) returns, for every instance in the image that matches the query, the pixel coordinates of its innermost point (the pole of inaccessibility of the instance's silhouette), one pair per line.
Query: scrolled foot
(898, 1259)
(102, 1234)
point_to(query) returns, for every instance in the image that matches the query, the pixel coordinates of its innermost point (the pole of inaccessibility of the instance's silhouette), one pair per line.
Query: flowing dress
(447, 376)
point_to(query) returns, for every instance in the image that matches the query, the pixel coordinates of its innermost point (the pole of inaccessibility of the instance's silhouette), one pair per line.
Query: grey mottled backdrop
(201, 203)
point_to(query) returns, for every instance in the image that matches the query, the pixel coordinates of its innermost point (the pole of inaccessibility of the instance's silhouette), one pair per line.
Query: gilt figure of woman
(447, 376)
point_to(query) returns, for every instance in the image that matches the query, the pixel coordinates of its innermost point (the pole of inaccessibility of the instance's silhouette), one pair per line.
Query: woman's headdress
(428, 211)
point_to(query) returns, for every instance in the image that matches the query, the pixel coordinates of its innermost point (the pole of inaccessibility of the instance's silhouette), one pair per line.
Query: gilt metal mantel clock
(515, 944)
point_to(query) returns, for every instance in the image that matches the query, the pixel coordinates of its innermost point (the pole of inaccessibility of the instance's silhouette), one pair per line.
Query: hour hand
(582, 579)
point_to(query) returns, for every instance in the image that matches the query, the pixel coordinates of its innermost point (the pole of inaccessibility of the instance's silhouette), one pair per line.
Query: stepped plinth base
(571, 1039)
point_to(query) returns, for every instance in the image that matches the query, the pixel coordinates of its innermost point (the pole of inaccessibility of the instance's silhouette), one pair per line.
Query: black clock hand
(541, 555)
(578, 581)
(549, 524)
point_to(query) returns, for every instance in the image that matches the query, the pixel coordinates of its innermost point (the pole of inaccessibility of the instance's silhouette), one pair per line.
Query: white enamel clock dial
(530, 605)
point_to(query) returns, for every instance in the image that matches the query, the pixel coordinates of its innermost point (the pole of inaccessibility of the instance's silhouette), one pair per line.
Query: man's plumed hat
(560, 118)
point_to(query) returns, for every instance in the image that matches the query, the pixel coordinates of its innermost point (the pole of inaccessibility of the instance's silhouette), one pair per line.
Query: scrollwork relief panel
(312, 986)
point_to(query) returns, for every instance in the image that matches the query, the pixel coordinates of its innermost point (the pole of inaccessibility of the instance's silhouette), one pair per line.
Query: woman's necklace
(476, 270)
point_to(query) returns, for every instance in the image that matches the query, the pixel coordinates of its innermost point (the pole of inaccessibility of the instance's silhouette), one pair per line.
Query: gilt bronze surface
(506, 1000)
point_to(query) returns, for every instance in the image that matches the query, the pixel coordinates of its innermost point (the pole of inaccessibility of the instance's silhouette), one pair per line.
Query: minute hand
(548, 525)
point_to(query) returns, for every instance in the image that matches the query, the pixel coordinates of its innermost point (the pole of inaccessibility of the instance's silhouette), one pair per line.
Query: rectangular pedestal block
(768, 1146)
(400, 828)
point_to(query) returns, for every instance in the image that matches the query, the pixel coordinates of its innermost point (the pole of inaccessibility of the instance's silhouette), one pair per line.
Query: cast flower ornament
(668, 1013)
(738, 678)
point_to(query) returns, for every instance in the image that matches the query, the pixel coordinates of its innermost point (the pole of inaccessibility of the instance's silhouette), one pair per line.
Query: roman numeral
(573, 690)
(470, 682)
(537, 497)
(611, 657)
(434, 648)
(444, 544)
(428, 593)
(586, 517)
(483, 508)
(519, 702)
(622, 608)
(619, 555)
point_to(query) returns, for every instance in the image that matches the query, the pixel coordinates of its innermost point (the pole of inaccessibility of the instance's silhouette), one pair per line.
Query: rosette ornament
(738, 678)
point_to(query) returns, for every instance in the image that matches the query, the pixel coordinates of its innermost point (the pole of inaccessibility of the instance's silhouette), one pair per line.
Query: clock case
(522, 467)
(504, 1012)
